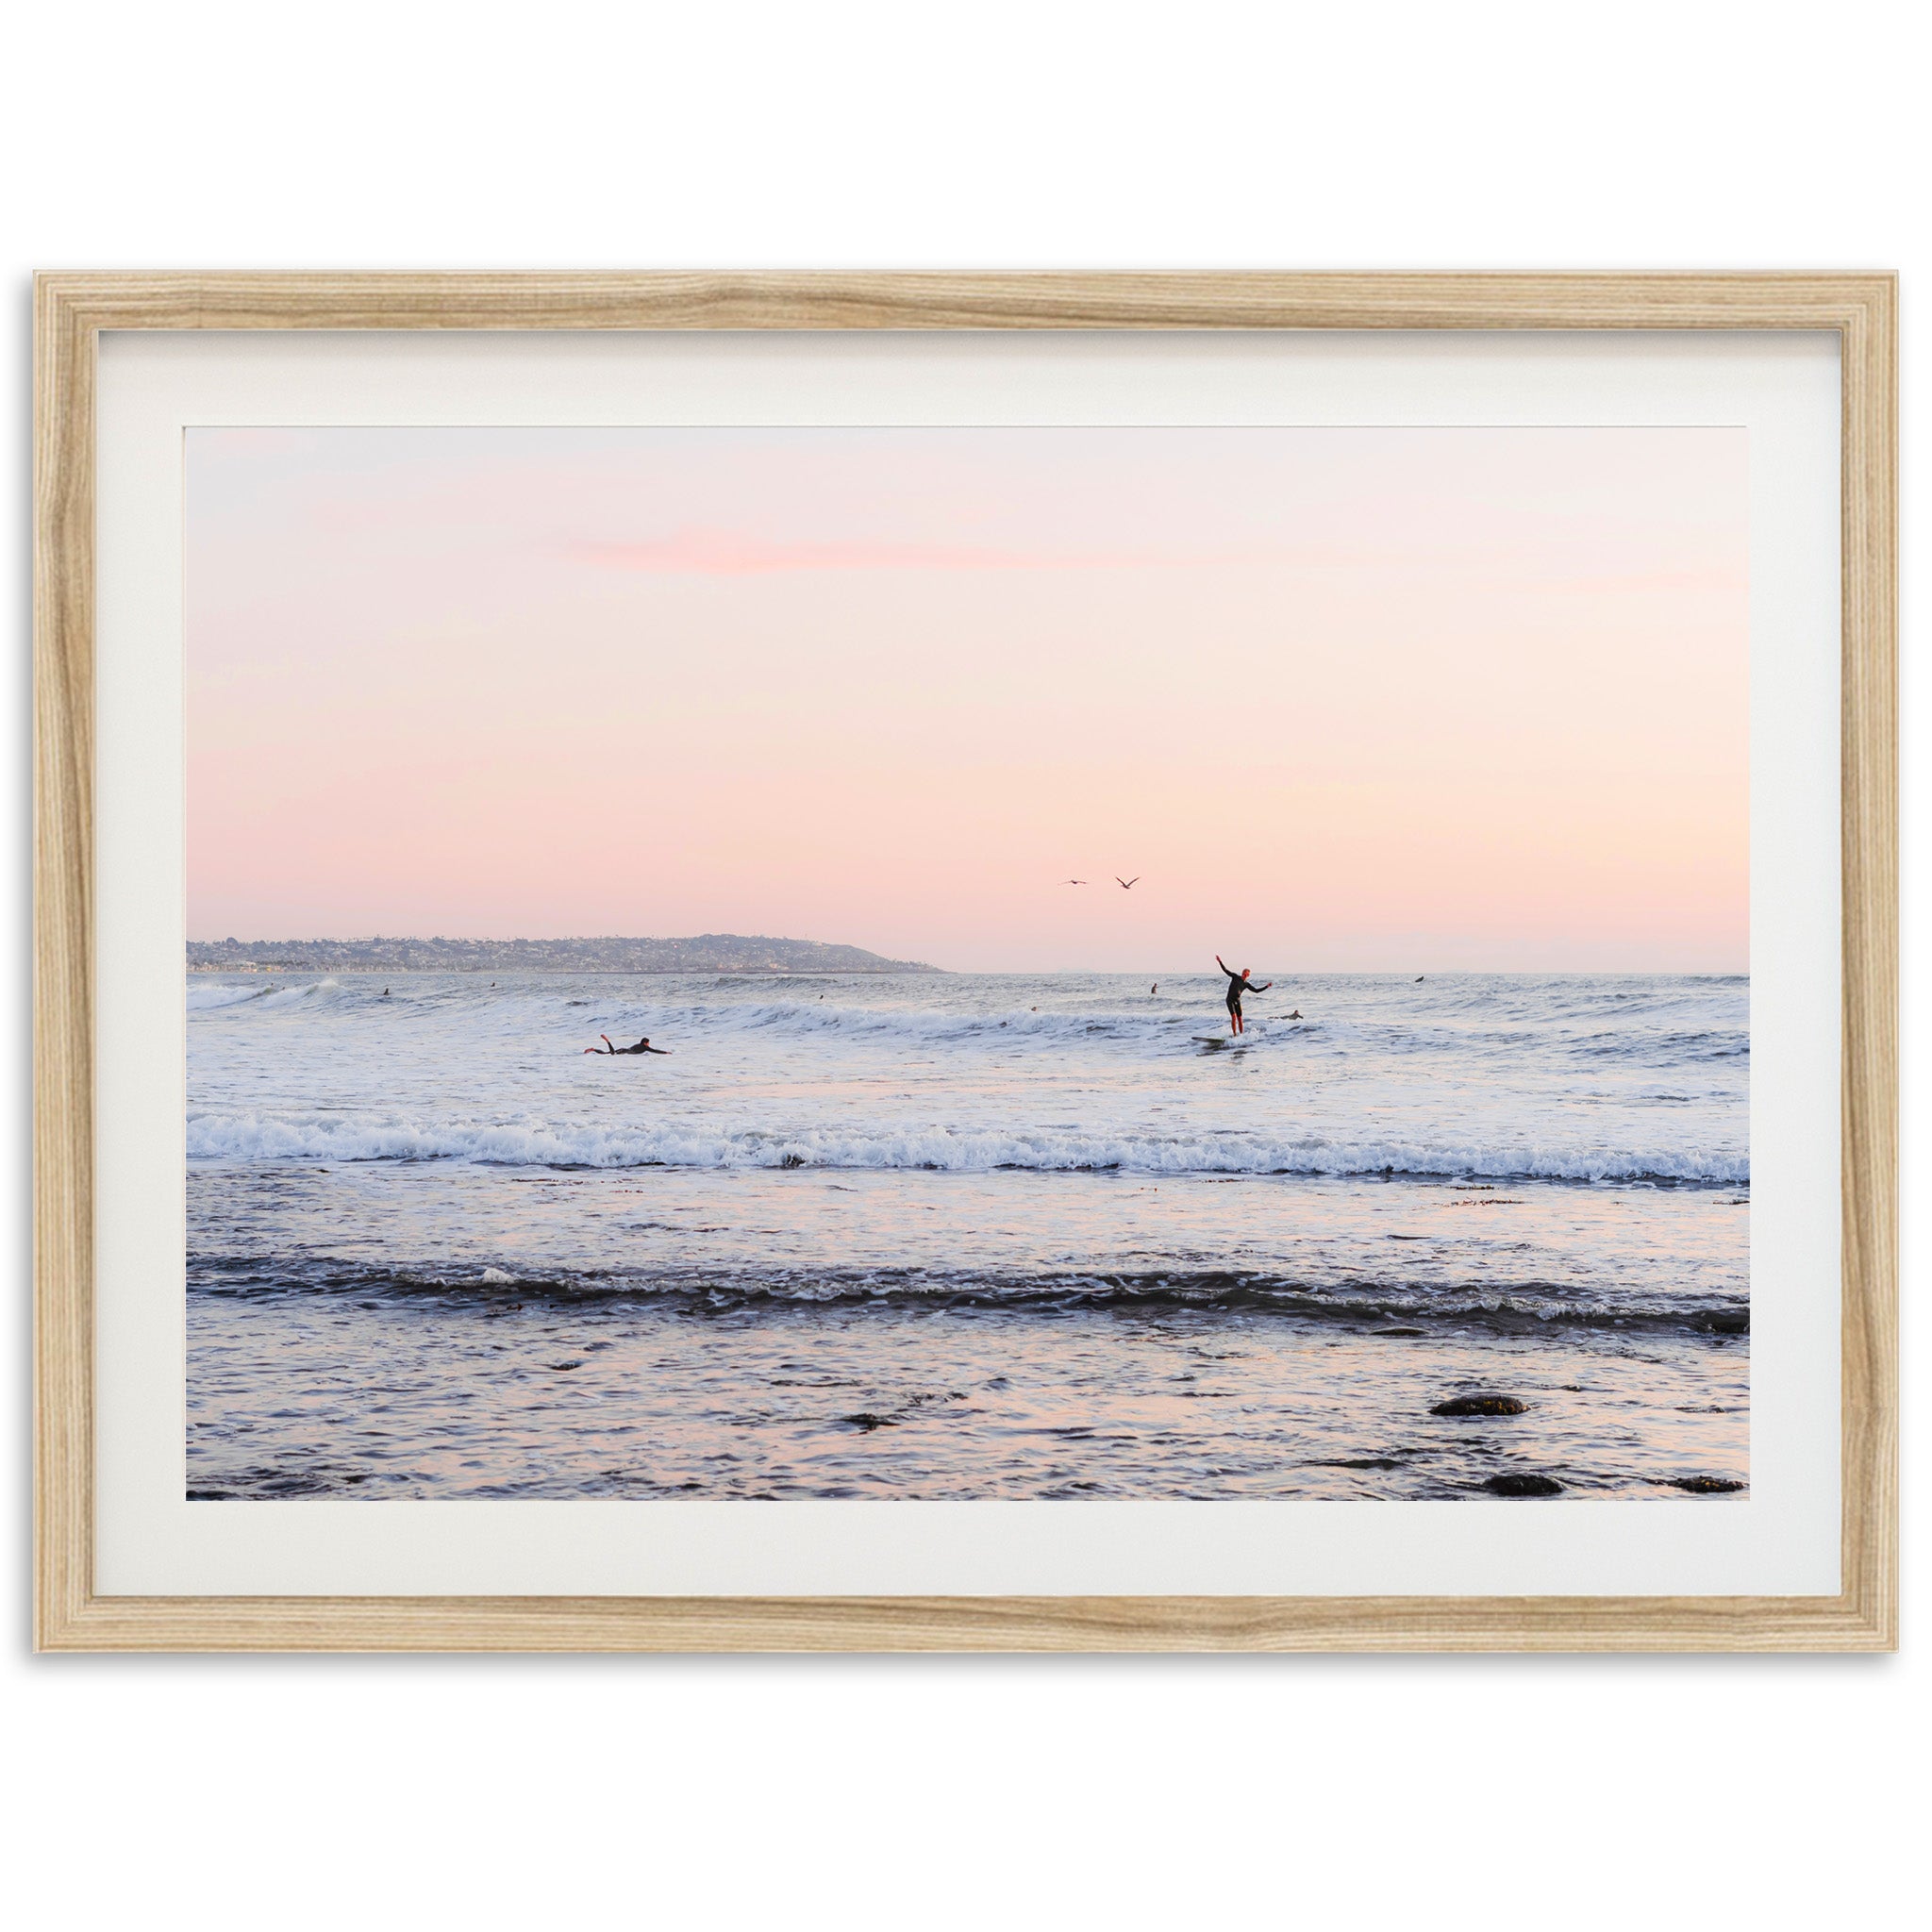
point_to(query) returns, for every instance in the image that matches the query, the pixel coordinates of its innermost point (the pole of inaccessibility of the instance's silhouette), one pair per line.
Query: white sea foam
(528, 1144)
(1503, 1077)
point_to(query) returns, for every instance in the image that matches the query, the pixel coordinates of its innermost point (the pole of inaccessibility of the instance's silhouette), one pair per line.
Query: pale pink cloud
(732, 553)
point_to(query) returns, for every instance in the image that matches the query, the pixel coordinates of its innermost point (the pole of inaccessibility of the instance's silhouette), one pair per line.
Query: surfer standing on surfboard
(1237, 983)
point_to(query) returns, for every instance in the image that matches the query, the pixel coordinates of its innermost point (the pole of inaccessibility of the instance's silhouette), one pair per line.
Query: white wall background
(1348, 1792)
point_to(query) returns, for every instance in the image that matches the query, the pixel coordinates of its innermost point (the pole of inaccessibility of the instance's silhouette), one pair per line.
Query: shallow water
(964, 1236)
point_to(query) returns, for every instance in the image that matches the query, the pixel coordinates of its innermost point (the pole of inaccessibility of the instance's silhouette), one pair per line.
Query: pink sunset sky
(1344, 699)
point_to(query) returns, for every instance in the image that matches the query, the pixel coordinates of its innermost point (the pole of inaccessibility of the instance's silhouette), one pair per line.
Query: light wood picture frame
(72, 312)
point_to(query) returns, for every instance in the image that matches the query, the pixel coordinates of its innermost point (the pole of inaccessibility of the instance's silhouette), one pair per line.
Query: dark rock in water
(866, 1420)
(1392, 1332)
(1513, 1485)
(1729, 1321)
(1480, 1405)
(1705, 1485)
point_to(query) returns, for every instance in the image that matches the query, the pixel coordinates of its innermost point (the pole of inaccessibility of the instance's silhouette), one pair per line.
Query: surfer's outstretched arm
(665, 1050)
(1262, 988)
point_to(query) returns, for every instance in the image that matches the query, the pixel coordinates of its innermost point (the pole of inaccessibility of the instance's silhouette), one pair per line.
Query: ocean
(967, 1236)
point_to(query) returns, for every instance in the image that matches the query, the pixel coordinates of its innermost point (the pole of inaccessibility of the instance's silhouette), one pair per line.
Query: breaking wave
(1504, 1305)
(256, 1137)
(207, 996)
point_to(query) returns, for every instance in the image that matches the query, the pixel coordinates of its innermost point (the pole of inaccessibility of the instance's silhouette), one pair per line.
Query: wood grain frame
(71, 311)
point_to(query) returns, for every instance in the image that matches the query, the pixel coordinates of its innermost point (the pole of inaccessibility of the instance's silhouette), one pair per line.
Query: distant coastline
(712, 951)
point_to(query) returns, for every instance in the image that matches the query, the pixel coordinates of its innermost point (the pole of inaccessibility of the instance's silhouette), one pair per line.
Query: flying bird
(1127, 885)
(1072, 882)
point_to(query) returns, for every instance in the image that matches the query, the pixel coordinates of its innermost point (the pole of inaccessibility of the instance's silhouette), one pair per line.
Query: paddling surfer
(1238, 983)
(642, 1046)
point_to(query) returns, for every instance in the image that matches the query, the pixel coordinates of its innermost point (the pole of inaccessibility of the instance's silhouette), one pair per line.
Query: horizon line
(923, 968)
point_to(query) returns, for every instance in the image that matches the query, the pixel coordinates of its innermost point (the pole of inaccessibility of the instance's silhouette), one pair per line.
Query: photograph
(986, 922)
(1150, 963)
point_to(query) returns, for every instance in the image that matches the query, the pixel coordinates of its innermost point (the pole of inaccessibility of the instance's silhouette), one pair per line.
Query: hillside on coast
(710, 951)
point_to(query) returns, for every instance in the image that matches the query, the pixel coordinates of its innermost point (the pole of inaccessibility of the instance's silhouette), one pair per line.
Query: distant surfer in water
(642, 1046)
(1237, 983)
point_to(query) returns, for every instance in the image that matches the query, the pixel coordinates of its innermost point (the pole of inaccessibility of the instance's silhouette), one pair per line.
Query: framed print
(967, 962)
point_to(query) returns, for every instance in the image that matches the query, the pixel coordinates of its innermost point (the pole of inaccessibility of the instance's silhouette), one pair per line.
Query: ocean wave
(925, 1024)
(204, 996)
(1196, 1028)
(254, 1137)
(1498, 1026)
(1707, 1043)
(1532, 1305)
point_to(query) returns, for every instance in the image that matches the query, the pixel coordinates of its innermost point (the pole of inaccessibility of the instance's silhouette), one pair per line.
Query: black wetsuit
(1236, 987)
